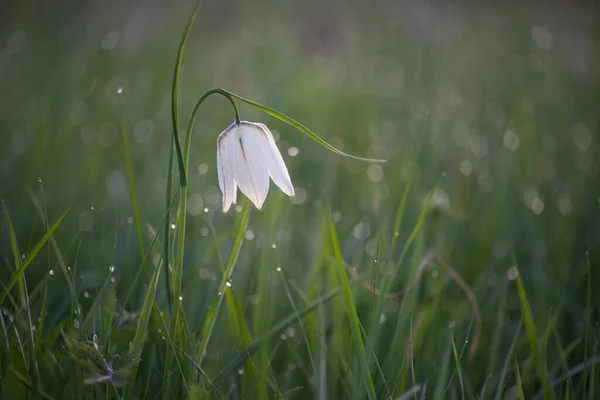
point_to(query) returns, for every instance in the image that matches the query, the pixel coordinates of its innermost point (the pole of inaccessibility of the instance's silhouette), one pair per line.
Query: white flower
(246, 157)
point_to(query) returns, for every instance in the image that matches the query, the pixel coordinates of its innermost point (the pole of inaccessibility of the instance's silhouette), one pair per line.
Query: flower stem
(175, 289)
(178, 270)
(201, 99)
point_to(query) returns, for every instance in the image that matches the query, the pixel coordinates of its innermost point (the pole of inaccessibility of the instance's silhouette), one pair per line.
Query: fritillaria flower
(247, 157)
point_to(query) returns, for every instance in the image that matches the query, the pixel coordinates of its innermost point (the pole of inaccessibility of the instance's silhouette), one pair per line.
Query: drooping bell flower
(247, 157)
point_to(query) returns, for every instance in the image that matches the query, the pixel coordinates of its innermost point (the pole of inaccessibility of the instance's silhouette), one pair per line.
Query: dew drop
(120, 91)
(273, 246)
(173, 226)
(86, 295)
(112, 279)
(205, 209)
(51, 272)
(512, 273)
(290, 332)
(39, 179)
(180, 298)
(240, 371)
(228, 284)
(112, 268)
(278, 269)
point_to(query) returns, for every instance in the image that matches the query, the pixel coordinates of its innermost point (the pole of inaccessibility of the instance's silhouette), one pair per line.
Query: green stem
(175, 92)
(223, 93)
(183, 182)
(166, 247)
(178, 270)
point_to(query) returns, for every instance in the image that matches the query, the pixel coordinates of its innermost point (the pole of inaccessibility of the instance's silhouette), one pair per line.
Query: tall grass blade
(273, 332)
(520, 393)
(211, 318)
(284, 118)
(509, 355)
(33, 364)
(30, 257)
(399, 216)
(413, 235)
(136, 346)
(129, 167)
(532, 339)
(41, 209)
(351, 308)
(175, 94)
(458, 367)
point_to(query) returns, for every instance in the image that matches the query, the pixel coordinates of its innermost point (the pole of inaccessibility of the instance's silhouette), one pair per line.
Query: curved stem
(178, 270)
(201, 99)
(175, 92)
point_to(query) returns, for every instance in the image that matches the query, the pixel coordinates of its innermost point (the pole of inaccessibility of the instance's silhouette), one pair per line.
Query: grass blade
(139, 338)
(211, 318)
(511, 349)
(33, 364)
(284, 118)
(532, 339)
(18, 273)
(458, 367)
(175, 94)
(350, 307)
(274, 332)
(134, 202)
(399, 215)
(413, 235)
(520, 394)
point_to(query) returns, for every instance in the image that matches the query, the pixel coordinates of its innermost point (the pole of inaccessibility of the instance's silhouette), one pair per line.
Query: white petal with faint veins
(246, 157)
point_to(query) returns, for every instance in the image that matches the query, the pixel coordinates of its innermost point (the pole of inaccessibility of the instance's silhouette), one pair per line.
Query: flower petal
(277, 169)
(251, 175)
(226, 153)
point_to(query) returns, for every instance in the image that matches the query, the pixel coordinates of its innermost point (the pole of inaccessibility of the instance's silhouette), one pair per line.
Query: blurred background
(498, 102)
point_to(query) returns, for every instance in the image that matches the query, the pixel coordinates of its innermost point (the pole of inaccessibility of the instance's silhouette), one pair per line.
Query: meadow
(465, 266)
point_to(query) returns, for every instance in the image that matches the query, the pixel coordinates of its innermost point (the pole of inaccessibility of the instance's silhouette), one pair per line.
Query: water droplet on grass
(51, 272)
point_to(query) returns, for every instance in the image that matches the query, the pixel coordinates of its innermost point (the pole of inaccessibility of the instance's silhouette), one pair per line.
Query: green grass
(461, 268)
